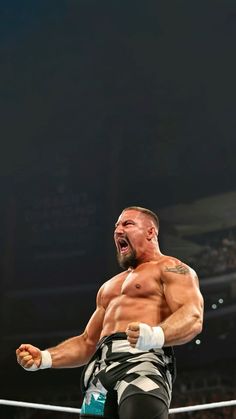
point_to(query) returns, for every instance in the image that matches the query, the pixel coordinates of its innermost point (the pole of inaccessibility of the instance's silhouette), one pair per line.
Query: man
(154, 304)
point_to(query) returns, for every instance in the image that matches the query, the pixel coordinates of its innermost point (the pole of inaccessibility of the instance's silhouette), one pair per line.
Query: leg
(99, 404)
(140, 406)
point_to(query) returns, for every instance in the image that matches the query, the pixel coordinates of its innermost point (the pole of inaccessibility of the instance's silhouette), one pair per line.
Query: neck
(152, 253)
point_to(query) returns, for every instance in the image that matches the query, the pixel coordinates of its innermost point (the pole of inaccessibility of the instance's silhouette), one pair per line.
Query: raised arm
(183, 296)
(73, 352)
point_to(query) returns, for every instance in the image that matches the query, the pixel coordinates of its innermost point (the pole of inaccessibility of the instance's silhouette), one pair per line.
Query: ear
(151, 232)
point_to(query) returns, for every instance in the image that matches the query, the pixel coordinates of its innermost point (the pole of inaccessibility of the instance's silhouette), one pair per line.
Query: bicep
(93, 329)
(182, 289)
(94, 326)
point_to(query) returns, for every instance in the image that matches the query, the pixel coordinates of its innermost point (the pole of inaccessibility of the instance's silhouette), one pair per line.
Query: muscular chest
(133, 285)
(137, 284)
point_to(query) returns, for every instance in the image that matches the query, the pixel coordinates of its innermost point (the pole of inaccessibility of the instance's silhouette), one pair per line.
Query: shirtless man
(154, 304)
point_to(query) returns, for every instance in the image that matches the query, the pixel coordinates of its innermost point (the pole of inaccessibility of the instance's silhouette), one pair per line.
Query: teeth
(123, 244)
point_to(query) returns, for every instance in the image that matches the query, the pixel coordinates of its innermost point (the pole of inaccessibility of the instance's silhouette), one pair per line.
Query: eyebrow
(125, 221)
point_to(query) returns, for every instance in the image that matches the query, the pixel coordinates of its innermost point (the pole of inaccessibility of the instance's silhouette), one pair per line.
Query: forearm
(73, 352)
(182, 326)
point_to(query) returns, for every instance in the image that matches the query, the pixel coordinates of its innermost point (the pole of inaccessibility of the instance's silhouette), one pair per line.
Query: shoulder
(109, 289)
(110, 282)
(118, 277)
(172, 265)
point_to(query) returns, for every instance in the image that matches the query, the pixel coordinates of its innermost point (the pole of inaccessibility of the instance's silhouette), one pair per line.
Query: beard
(127, 261)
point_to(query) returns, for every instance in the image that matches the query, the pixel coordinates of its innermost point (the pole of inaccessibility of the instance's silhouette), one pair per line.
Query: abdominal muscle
(123, 310)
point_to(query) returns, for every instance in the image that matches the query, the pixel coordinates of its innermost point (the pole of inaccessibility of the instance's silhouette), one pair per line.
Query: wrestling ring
(14, 403)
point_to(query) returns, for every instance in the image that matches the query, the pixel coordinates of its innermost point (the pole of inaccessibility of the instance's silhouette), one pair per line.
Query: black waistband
(168, 350)
(110, 338)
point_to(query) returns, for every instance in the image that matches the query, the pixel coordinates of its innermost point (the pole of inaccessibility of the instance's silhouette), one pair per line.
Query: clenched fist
(132, 333)
(28, 356)
(145, 337)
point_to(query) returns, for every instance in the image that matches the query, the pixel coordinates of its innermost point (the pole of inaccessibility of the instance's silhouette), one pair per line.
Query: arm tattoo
(178, 269)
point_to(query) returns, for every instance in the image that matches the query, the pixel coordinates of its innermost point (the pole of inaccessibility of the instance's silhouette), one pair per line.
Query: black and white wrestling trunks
(118, 371)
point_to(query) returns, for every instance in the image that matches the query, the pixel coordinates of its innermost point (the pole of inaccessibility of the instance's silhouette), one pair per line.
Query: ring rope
(206, 406)
(15, 403)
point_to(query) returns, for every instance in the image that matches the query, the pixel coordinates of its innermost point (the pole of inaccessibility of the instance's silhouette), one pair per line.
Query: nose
(118, 230)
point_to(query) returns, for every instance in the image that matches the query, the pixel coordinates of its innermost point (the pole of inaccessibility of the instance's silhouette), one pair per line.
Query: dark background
(106, 104)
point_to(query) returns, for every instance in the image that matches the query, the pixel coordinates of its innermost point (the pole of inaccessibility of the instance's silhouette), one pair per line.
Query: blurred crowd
(212, 397)
(205, 387)
(218, 255)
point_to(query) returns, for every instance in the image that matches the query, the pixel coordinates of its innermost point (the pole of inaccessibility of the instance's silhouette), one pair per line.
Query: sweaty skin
(158, 290)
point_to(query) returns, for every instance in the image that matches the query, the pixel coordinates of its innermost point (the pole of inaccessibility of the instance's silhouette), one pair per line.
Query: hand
(28, 355)
(132, 333)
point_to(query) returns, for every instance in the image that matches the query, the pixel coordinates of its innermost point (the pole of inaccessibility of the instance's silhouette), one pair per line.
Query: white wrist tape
(46, 362)
(150, 337)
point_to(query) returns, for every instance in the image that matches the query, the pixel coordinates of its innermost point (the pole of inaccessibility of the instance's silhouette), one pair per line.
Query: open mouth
(123, 245)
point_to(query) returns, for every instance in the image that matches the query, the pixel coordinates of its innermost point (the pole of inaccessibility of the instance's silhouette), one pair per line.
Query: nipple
(137, 285)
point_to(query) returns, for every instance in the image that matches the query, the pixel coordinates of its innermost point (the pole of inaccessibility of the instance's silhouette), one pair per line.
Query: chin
(127, 261)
